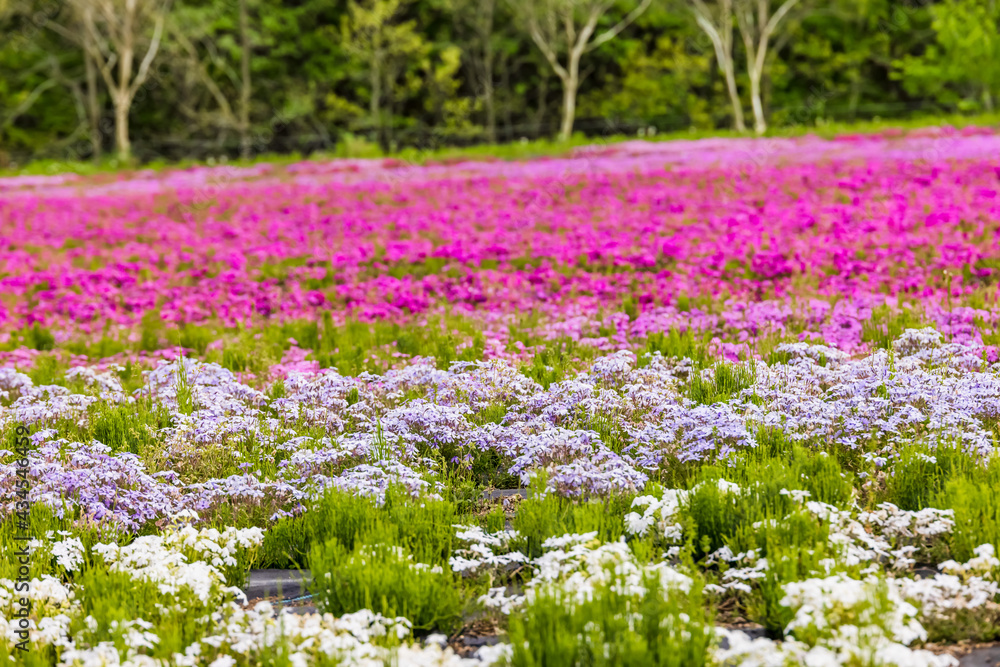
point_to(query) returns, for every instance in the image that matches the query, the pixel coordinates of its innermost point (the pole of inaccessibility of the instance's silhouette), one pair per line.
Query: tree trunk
(570, 84)
(734, 96)
(123, 98)
(388, 114)
(756, 41)
(491, 113)
(488, 97)
(122, 144)
(93, 108)
(852, 103)
(375, 103)
(486, 34)
(720, 33)
(759, 123)
(245, 141)
(569, 107)
(508, 121)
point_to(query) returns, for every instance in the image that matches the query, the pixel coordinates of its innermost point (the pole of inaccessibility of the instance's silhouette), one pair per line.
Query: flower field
(722, 402)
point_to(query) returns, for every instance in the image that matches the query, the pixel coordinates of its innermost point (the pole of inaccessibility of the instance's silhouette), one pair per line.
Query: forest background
(126, 81)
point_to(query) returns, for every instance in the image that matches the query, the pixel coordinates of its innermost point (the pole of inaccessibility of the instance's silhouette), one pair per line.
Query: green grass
(885, 325)
(675, 343)
(794, 548)
(920, 474)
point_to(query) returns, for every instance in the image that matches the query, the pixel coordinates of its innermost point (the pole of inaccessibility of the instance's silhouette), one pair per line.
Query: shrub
(662, 627)
(541, 517)
(384, 577)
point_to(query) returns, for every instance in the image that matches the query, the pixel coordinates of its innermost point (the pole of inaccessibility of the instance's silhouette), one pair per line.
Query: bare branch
(205, 77)
(611, 33)
(140, 76)
(771, 25)
(563, 35)
(27, 103)
(547, 51)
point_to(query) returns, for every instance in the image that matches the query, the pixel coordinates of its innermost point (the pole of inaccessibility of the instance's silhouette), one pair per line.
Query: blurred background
(136, 81)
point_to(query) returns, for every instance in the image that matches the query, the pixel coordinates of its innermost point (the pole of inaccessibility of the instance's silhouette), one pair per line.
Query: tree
(568, 26)
(245, 83)
(478, 17)
(967, 32)
(27, 99)
(668, 85)
(206, 42)
(93, 105)
(372, 32)
(35, 74)
(757, 26)
(112, 34)
(718, 26)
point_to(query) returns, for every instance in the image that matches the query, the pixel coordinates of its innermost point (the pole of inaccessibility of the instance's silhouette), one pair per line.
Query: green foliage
(920, 474)
(675, 343)
(313, 65)
(151, 331)
(381, 575)
(611, 429)
(541, 517)
(496, 520)
(103, 347)
(114, 597)
(286, 544)
(885, 325)
(185, 396)
(423, 526)
(355, 347)
(716, 515)
(131, 377)
(353, 396)
(777, 463)
(42, 520)
(491, 414)
(193, 337)
(38, 338)
(552, 362)
(727, 382)
(48, 369)
(490, 469)
(794, 548)
(976, 502)
(663, 627)
(128, 427)
(966, 31)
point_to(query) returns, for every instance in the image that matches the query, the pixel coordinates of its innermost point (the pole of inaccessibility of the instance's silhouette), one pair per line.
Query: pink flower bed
(768, 231)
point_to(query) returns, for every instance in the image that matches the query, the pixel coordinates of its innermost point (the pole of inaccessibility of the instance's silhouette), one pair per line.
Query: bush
(128, 427)
(384, 577)
(662, 627)
(542, 516)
